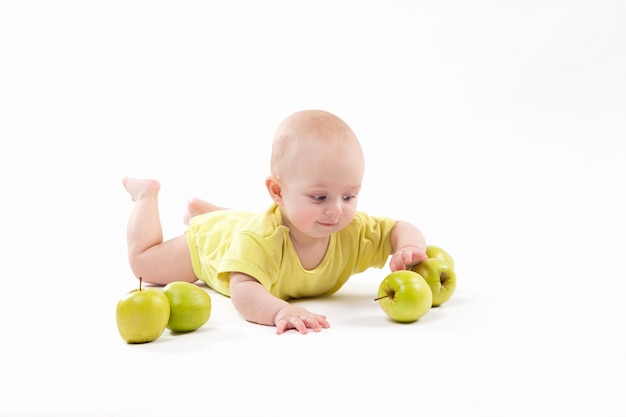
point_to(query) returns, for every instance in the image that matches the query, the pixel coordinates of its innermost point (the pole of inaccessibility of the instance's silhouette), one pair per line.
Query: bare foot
(196, 206)
(139, 187)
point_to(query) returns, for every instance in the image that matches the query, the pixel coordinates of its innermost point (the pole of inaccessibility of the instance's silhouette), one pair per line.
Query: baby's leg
(157, 262)
(195, 207)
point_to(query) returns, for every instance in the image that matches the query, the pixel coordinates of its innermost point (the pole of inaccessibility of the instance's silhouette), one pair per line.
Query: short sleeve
(254, 255)
(374, 241)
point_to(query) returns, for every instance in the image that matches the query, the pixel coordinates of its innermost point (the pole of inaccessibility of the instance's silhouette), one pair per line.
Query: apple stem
(140, 281)
(380, 298)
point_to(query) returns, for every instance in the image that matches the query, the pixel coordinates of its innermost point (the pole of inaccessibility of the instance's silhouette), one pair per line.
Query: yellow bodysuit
(258, 244)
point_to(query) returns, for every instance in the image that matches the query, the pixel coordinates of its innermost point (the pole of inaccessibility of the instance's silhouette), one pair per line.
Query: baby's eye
(348, 197)
(318, 197)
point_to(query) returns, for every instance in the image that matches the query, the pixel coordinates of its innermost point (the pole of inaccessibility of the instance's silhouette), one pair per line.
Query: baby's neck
(311, 252)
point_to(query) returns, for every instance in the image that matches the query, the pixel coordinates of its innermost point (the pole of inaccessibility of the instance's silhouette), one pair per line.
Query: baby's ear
(273, 187)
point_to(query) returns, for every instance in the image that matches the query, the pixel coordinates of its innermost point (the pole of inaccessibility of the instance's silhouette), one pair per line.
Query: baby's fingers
(290, 323)
(408, 257)
(316, 322)
(301, 323)
(397, 262)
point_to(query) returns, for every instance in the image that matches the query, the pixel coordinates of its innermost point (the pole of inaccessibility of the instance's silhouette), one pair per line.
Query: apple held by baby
(406, 296)
(438, 271)
(142, 315)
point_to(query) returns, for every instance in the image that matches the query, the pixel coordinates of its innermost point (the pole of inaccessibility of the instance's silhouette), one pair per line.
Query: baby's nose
(333, 207)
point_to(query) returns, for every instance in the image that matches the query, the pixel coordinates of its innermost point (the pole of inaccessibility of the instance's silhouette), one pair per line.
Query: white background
(496, 127)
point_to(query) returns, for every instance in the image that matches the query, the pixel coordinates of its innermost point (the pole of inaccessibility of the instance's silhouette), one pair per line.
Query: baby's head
(316, 173)
(313, 133)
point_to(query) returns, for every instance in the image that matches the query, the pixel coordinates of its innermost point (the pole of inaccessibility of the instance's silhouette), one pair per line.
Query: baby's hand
(294, 317)
(405, 257)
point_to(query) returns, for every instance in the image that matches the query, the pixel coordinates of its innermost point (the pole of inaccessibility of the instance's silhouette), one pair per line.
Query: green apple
(440, 276)
(190, 306)
(142, 315)
(404, 296)
(438, 253)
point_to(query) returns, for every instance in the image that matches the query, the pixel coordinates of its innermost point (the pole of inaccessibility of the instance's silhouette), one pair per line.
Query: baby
(307, 243)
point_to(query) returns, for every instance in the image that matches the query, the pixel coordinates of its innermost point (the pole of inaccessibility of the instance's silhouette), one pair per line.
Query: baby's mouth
(328, 224)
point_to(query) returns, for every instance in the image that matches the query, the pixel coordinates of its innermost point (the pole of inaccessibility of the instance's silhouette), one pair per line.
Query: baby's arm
(258, 305)
(408, 246)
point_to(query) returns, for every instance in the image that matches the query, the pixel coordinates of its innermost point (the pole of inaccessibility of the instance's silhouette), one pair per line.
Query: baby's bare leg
(157, 262)
(196, 206)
